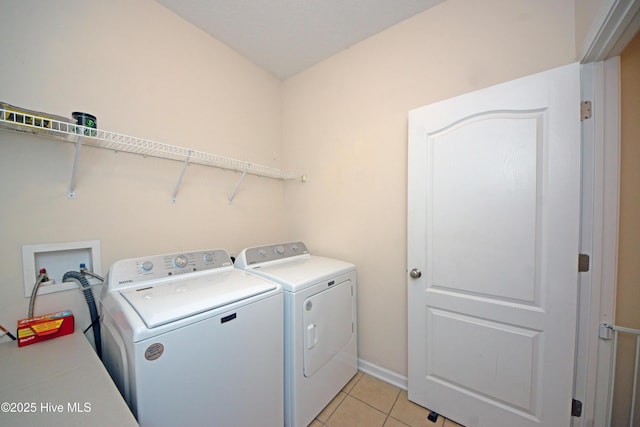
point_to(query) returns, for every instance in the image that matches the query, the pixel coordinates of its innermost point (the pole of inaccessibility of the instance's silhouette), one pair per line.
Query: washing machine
(320, 323)
(190, 341)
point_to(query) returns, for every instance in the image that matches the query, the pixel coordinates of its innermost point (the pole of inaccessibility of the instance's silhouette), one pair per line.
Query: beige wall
(628, 284)
(588, 13)
(345, 124)
(144, 72)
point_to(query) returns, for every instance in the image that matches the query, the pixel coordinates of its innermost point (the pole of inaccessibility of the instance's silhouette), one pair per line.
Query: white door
(493, 233)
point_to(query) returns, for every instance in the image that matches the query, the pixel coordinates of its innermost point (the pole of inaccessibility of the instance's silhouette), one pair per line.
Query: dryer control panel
(129, 271)
(275, 252)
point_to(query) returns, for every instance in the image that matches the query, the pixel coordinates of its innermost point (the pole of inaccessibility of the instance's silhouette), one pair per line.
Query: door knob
(415, 273)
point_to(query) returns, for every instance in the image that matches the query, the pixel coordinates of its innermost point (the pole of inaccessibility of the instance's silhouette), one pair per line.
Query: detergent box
(41, 328)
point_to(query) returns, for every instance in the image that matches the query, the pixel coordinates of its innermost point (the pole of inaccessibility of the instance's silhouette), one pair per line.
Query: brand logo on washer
(154, 351)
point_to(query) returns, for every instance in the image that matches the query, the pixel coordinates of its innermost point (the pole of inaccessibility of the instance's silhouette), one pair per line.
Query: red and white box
(42, 328)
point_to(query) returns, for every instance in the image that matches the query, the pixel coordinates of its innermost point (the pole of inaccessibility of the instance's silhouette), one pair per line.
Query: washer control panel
(278, 251)
(129, 271)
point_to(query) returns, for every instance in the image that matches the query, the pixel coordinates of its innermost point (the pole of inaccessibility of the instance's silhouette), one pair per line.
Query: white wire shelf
(80, 135)
(130, 144)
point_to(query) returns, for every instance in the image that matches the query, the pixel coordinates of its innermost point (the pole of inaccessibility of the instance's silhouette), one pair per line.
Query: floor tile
(412, 414)
(364, 402)
(377, 393)
(354, 413)
(392, 422)
(347, 388)
(331, 407)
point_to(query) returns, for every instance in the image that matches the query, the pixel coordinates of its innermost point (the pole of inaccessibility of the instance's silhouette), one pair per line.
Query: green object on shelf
(86, 120)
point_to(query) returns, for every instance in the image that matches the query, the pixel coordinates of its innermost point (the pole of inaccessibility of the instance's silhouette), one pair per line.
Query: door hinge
(583, 263)
(576, 408)
(585, 110)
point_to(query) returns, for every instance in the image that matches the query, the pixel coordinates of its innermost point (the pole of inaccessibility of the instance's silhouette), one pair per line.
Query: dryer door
(328, 320)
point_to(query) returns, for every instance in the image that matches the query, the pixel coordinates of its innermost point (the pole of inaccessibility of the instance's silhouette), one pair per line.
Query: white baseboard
(383, 374)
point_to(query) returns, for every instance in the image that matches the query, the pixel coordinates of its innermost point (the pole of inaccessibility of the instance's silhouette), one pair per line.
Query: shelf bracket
(235, 189)
(72, 185)
(184, 168)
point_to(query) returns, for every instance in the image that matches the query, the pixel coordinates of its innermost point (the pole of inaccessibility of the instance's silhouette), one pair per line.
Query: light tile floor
(369, 402)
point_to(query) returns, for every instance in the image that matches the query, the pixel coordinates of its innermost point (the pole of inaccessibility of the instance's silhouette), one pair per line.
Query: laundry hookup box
(45, 327)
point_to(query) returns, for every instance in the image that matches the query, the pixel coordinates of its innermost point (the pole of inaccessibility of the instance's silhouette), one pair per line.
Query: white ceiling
(288, 36)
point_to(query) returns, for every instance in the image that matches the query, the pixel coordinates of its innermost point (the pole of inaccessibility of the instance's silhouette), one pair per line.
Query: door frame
(599, 238)
(614, 27)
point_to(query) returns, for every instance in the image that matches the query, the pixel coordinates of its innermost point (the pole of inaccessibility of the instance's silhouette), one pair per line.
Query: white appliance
(320, 324)
(190, 341)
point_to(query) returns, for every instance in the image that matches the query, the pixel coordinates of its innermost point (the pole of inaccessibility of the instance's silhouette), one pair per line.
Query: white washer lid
(183, 297)
(298, 273)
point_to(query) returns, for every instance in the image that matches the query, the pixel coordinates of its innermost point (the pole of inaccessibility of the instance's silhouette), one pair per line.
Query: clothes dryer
(320, 324)
(190, 341)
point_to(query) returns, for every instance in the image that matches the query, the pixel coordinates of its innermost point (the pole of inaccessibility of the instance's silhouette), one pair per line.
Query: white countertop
(60, 382)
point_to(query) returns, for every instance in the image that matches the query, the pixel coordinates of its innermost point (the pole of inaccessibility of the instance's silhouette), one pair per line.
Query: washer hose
(93, 311)
(42, 277)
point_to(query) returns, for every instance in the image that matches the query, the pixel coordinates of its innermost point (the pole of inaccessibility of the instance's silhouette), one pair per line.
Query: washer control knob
(181, 261)
(294, 247)
(262, 253)
(279, 249)
(146, 266)
(208, 258)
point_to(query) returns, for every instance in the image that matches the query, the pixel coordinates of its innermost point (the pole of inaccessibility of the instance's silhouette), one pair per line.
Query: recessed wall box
(57, 259)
